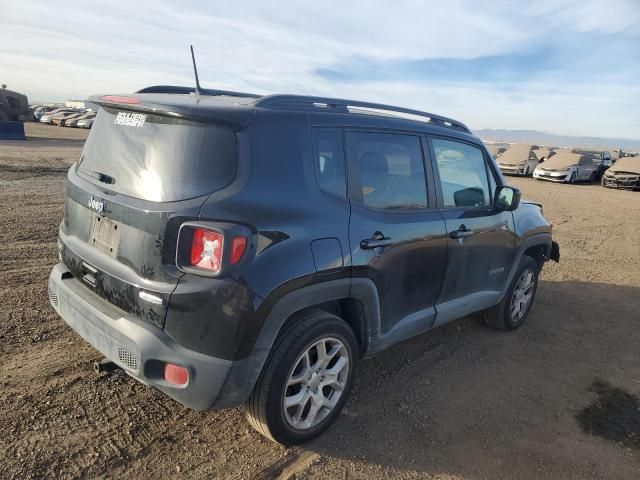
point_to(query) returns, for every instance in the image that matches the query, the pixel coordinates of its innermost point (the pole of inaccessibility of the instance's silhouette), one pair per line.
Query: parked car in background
(518, 159)
(48, 117)
(602, 158)
(201, 256)
(625, 173)
(38, 112)
(567, 167)
(60, 120)
(73, 122)
(496, 149)
(616, 153)
(86, 122)
(543, 153)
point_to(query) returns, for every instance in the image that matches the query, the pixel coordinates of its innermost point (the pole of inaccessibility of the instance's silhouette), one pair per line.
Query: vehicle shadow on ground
(467, 400)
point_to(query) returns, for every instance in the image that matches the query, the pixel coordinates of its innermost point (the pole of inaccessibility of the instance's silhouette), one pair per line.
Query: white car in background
(567, 167)
(74, 121)
(48, 117)
(86, 122)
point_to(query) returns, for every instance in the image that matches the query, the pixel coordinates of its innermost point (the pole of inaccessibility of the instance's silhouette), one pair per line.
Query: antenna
(195, 71)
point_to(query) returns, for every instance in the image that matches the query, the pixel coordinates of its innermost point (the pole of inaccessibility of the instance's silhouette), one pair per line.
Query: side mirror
(506, 198)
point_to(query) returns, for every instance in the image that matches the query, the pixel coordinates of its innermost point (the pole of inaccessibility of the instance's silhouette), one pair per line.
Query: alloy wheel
(316, 383)
(522, 295)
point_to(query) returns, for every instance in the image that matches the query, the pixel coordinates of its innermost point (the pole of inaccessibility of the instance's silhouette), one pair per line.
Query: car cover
(627, 165)
(562, 161)
(517, 154)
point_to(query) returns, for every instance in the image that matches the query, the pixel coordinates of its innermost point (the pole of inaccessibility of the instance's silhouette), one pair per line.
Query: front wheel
(572, 178)
(306, 380)
(514, 308)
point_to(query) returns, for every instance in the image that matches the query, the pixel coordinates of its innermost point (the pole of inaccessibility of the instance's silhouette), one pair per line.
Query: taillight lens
(206, 249)
(238, 246)
(176, 374)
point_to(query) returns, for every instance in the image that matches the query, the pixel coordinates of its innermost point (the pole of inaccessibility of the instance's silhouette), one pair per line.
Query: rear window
(157, 158)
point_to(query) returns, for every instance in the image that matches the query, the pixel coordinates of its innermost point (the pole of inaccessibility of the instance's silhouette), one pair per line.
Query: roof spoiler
(186, 107)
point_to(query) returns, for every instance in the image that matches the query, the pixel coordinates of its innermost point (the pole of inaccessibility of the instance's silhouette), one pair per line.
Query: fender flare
(535, 240)
(244, 373)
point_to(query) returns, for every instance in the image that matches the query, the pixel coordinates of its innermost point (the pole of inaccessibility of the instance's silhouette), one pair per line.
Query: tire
(265, 408)
(502, 315)
(593, 177)
(572, 178)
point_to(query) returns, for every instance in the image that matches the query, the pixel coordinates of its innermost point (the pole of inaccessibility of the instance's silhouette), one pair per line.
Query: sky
(569, 67)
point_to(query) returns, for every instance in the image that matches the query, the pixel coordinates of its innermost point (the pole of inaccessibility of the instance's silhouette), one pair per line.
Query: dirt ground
(556, 399)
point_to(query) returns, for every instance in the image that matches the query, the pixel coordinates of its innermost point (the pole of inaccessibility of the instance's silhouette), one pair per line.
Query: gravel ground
(556, 399)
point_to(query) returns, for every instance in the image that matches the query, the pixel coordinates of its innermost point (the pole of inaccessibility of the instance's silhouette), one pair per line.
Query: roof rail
(322, 102)
(176, 89)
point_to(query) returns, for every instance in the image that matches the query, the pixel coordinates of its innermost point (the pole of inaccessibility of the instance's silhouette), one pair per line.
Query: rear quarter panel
(279, 199)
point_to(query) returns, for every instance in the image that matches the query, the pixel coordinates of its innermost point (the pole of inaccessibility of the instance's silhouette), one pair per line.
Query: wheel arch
(355, 300)
(538, 246)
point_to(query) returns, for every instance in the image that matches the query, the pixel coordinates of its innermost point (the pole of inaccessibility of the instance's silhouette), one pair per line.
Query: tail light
(238, 246)
(207, 251)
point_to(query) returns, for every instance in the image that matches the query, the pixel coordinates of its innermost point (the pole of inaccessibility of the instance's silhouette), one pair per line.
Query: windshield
(157, 158)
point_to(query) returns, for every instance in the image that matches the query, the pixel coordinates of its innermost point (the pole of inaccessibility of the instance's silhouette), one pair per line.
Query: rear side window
(157, 158)
(386, 170)
(329, 161)
(463, 174)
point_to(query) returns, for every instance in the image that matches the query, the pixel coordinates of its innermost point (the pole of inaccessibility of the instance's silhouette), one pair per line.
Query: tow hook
(107, 366)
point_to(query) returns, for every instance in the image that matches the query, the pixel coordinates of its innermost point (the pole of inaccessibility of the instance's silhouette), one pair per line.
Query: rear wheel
(514, 308)
(593, 177)
(306, 380)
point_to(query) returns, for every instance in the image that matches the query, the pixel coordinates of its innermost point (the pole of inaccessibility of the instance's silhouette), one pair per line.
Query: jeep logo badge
(96, 205)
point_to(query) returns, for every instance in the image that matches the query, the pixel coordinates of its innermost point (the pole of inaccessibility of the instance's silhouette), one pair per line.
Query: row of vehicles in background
(64, 116)
(563, 165)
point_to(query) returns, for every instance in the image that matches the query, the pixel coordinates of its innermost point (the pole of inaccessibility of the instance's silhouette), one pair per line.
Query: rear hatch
(140, 176)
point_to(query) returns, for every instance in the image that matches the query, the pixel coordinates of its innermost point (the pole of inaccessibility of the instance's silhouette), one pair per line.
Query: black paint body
(304, 244)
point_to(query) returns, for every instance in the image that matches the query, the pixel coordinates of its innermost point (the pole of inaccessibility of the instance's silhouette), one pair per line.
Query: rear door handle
(378, 240)
(461, 232)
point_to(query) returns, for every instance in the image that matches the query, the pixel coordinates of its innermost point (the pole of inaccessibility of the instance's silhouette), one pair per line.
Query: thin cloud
(58, 50)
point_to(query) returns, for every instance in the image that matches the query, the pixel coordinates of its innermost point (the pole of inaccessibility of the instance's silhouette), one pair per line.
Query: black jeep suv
(228, 248)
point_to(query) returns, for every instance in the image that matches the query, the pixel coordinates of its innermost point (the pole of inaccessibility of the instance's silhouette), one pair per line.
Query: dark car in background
(14, 106)
(230, 249)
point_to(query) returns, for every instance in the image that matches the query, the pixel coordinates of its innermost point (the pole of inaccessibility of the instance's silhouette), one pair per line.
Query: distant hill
(543, 138)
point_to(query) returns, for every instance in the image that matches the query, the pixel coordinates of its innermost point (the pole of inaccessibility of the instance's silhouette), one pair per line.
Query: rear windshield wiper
(103, 177)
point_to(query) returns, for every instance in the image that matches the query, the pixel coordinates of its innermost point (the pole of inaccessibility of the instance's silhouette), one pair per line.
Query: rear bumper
(142, 349)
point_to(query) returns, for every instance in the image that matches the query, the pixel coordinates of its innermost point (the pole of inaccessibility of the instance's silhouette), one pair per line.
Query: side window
(463, 174)
(386, 170)
(329, 161)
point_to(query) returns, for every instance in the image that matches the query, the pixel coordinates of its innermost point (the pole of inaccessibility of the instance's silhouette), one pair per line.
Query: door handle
(378, 240)
(461, 232)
